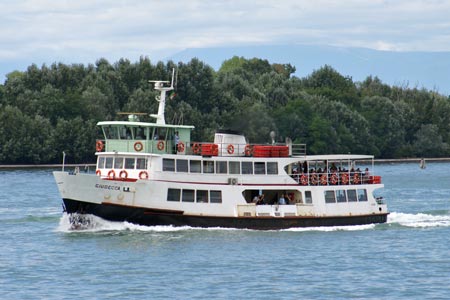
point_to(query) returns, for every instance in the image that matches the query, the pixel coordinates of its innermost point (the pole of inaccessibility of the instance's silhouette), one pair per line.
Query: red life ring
(323, 179)
(160, 145)
(248, 150)
(111, 174)
(304, 179)
(334, 179)
(356, 178)
(143, 175)
(196, 148)
(138, 146)
(230, 149)
(99, 146)
(344, 178)
(123, 174)
(180, 147)
(314, 179)
(98, 173)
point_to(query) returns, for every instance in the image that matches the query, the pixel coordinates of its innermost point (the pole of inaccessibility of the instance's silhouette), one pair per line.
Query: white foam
(333, 228)
(419, 220)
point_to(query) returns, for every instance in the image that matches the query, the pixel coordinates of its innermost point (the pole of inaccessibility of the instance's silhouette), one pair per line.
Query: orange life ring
(356, 178)
(123, 174)
(230, 149)
(160, 145)
(99, 146)
(323, 179)
(304, 179)
(138, 146)
(111, 174)
(248, 150)
(98, 173)
(180, 147)
(143, 175)
(344, 178)
(314, 179)
(196, 148)
(334, 179)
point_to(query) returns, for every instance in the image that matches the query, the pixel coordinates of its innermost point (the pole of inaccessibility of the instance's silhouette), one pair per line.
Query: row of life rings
(122, 175)
(324, 179)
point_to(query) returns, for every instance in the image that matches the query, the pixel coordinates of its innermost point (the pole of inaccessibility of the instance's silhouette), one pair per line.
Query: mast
(159, 86)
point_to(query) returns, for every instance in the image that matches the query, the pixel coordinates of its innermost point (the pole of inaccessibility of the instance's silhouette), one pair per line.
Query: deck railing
(335, 178)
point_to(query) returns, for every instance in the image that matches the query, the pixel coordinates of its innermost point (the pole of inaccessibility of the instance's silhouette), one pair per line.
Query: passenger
(255, 199)
(282, 200)
(176, 140)
(260, 200)
(366, 175)
(333, 168)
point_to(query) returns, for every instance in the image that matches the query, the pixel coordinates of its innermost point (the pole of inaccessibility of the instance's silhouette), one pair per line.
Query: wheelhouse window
(221, 167)
(202, 196)
(247, 167)
(340, 196)
(351, 195)
(182, 165)
(308, 197)
(173, 195)
(329, 197)
(272, 168)
(101, 163)
(168, 164)
(188, 195)
(129, 163)
(141, 163)
(235, 167)
(118, 163)
(109, 162)
(215, 196)
(362, 195)
(195, 166)
(260, 168)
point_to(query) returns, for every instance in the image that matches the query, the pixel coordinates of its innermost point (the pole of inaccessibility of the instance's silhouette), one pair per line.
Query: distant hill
(430, 70)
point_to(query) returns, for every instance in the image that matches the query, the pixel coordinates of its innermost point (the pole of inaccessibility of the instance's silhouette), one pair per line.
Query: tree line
(50, 109)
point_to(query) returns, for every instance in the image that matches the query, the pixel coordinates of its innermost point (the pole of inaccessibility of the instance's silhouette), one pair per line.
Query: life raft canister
(356, 178)
(138, 146)
(334, 179)
(323, 179)
(314, 179)
(344, 178)
(304, 179)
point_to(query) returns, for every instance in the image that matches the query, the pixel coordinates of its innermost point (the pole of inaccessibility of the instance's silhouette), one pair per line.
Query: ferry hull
(153, 217)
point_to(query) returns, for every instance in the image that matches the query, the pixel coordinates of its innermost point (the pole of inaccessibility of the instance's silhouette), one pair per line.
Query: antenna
(160, 86)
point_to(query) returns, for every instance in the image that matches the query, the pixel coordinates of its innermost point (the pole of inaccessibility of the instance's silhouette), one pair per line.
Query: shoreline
(89, 165)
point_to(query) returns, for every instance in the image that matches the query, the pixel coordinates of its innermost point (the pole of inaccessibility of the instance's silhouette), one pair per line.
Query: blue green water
(407, 258)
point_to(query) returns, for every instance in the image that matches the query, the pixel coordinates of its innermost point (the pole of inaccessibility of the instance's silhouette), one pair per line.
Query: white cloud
(50, 30)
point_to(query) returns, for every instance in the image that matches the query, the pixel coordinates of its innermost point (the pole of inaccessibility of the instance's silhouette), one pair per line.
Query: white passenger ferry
(153, 174)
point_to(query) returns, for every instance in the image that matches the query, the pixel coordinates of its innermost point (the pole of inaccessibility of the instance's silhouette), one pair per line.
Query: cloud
(85, 30)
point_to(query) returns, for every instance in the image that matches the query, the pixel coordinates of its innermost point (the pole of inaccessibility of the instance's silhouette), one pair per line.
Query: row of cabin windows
(122, 163)
(220, 167)
(341, 196)
(199, 196)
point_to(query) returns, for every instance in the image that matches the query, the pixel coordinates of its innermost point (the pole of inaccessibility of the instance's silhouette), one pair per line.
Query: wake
(420, 220)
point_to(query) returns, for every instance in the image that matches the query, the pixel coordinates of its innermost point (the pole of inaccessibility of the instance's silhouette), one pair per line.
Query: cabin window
(168, 165)
(272, 168)
(101, 163)
(235, 167)
(188, 196)
(129, 163)
(351, 195)
(221, 167)
(182, 165)
(141, 163)
(109, 163)
(215, 196)
(202, 196)
(329, 197)
(308, 197)
(208, 166)
(118, 163)
(195, 166)
(140, 133)
(111, 132)
(260, 168)
(340, 196)
(362, 195)
(247, 167)
(173, 195)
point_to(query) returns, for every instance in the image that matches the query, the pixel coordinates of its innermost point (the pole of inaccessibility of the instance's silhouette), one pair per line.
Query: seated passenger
(260, 200)
(282, 200)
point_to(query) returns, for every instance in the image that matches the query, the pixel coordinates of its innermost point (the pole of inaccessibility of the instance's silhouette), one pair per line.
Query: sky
(82, 31)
